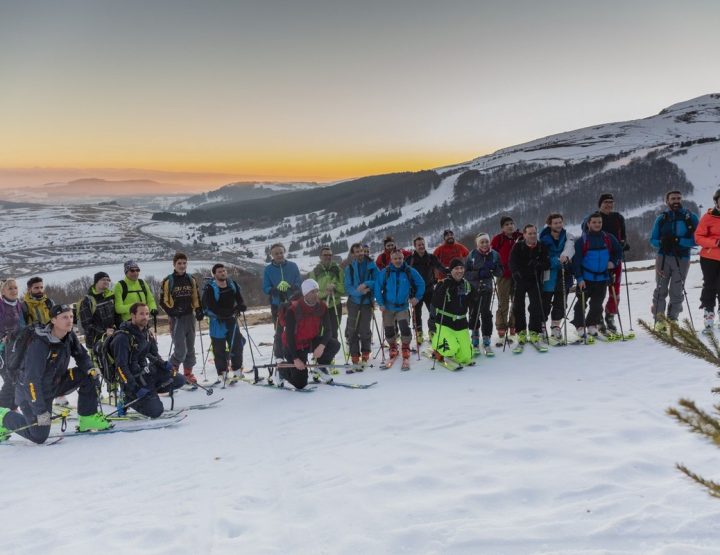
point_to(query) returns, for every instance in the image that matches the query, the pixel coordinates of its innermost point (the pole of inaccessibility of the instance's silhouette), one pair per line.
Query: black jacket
(426, 266)
(135, 352)
(452, 300)
(527, 264)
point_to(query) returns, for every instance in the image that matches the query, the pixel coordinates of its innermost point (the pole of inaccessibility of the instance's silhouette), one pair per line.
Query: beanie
(100, 275)
(456, 262)
(604, 197)
(309, 285)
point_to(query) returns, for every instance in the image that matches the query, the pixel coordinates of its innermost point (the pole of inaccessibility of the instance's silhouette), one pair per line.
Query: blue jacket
(593, 251)
(674, 223)
(564, 245)
(393, 288)
(482, 267)
(365, 272)
(274, 274)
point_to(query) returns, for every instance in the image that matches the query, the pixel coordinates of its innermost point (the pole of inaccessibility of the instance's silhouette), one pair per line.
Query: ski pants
(529, 289)
(299, 378)
(453, 343)
(402, 319)
(554, 305)
(594, 295)
(182, 330)
(670, 274)
(7, 394)
(481, 315)
(503, 317)
(357, 328)
(427, 301)
(161, 382)
(73, 379)
(228, 347)
(711, 283)
(611, 307)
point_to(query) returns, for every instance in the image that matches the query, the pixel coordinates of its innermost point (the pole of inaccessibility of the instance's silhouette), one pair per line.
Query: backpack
(408, 273)
(143, 288)
(16, 345)
(690, 228)
(76, 312)
(104, 358)
(586, 242)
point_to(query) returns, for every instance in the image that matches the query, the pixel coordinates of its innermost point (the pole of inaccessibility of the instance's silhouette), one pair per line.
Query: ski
(447, 363)
(519, 348)
(127, 427)
(349, 385)
(306, 389)
(538, 346)
(27, 443)
(388, 363)
(554, 342)
(405, 365)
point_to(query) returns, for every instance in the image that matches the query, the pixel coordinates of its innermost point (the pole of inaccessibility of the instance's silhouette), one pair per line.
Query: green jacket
(325, 276)
(137, 292)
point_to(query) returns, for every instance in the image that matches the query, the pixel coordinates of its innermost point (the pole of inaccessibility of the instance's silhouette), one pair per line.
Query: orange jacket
(707, 235)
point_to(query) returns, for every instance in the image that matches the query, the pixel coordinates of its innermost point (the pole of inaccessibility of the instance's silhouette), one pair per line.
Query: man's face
(63, 322)
(397, 259)
(278, 254)
(37, 289)
(221, 274)
(366, 251)
(103, 284)
(420, 246)
(457, 272)
(674, 201)
(556, 225)
(390, 246)
(508, 228)
(483, 244)
(449, 239)
(358, 253)
(530, 235)
(180, 266)
(133, 273)
(595, 224)
(326, 257)
(141, 317)
(607, 206)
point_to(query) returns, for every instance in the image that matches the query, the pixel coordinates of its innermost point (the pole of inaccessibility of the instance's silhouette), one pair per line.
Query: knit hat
(482, 236)
(447, 232)
(131, 265)
(456, 262)
(604, 197)
(309, 285)
(100, 275)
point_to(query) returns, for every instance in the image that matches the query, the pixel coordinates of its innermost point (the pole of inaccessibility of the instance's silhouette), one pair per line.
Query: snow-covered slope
(238, 192)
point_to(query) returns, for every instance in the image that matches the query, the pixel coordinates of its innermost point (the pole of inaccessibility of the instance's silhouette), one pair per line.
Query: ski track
(568, 452)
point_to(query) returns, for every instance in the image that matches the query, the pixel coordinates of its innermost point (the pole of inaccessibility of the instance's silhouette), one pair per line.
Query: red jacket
(503, 246)
(707, 235)
(304, 324)
(446, 253)
(383, 259)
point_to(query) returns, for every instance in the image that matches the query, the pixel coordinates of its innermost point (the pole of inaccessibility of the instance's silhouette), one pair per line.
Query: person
(130, 290)
(427, 265)
(597, 253)
(281, 279)
(366, 251)
(561, 248)
(503, 243)
(11, 321)
(97, 311)
(180, 299)
(36, 304)
(359, 281)
(223, 303)
(141, 371)
(332, 286)
(672, 236)
(44, 374)
(307, 330)
(528, 260)
(395, 287)
(481, 266)
(707, 236)
(450, 249)
(453, 297)
(389, 246)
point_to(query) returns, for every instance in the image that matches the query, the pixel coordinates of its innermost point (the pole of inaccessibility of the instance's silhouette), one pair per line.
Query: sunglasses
(133, 270)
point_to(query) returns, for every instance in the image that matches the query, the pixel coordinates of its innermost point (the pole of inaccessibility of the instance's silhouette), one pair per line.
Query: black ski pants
(299, 378)
(160, 381)
(595, 292)
(481, 316)
(529, 289)
(711, 282)
(427, 301)
(228, 347)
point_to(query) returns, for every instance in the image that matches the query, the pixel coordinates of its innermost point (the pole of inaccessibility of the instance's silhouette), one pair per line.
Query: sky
(208, 92)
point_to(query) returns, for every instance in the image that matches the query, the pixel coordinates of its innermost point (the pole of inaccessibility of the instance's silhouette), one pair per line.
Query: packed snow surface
(567, 452)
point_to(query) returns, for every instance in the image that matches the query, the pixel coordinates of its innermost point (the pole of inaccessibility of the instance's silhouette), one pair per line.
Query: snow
(568, 452)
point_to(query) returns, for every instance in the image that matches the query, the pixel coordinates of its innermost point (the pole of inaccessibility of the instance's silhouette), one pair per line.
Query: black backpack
(16, 345)
(104, 358)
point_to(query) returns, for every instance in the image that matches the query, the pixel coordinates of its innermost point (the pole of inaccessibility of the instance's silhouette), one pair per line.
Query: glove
(199, 314)
(283, 286)
(142, 392)
(44, 419)
(154, 312)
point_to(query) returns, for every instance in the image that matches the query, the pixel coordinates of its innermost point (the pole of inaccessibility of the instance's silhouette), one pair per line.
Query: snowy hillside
(237, 192)
(564, 453)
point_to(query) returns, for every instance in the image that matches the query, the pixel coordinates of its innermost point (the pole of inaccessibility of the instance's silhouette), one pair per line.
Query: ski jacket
(394, 287)
(563, 246)
(136, 356)
(179, 295)
(36, 311)
(383, 259)
(707, 234)
(11, 317)
(356, 273)
(480, 267)
(452, 300)
(676, 228)
(221, 305)
(503, 245)
(427, 266)
(527, 264)
(593, 251)
(45, 363)
(303, 325)
(446, 253)
(130, 291)
(274, 274)
(326, 275)
(97, 314)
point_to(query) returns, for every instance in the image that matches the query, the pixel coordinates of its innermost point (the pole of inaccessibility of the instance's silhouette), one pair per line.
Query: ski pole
(564, 294)
(337, 320)
(377, 329)
(682, 281)
(511, 310)
(247, 332)
(622, 334)
(627, 289)
(202, 350)
(412, 316)
(584, 319)
(540, 300)
(63, 415)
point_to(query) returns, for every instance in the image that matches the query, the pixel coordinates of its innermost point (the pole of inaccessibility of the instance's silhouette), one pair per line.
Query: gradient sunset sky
(324, 90)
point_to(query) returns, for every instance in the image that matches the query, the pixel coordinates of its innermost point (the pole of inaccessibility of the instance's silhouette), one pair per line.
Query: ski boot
(475, 343)
(522, 337)
(4, 432)
(93, 423)
(533, 337)
(501, 338)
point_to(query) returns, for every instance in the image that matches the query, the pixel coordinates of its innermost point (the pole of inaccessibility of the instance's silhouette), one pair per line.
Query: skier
(450, 250)
(503, 243)
(307, 330)
(281, 279)
(142, 372)
(36, 304)
(528, 260)
(130, 290)
(97, 310)
(44, 374)
(482, 264)
(395, 287)
(11, 321)
(672, 236)
(561, 248)
(389, 246)
(330, 277)
(597, 254)
(427, 265)
(359, 281)
(180, 299)
(223, 303)
(452, 298)
(707, 236)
